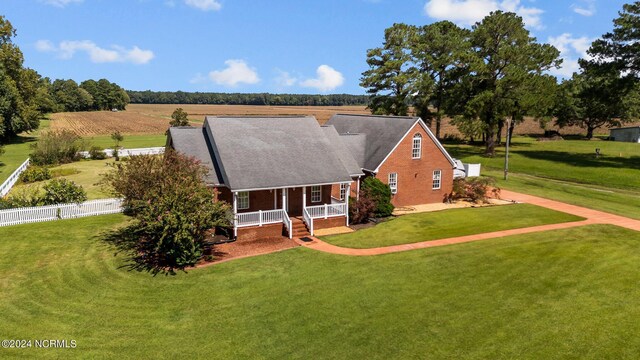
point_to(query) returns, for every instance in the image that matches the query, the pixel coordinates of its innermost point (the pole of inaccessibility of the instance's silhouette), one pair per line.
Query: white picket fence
(13, 178)
(59, 212)
(130, 152)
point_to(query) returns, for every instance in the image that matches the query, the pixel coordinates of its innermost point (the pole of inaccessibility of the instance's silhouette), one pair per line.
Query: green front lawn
(449, 223)
(561, 294)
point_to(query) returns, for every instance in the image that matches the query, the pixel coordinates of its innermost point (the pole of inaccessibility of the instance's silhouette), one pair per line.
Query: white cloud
(67, 49)
(327, 79)
(587, 8)
(44, 46)
(204, 5)
(571, 49)
(60, 3)
(284, 79)
(468, 12)
(236, 72)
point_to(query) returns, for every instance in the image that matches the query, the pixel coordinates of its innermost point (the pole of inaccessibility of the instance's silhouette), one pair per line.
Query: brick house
(290, 176)
(400, 151)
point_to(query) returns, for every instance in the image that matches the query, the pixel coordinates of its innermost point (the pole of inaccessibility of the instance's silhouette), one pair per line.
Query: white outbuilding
(626, 134)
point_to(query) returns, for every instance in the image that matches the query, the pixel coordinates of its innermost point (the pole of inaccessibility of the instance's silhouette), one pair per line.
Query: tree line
(25, 96)
(212, 98)
(496, 74)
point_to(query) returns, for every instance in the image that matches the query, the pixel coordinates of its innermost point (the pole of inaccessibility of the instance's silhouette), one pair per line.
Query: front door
(294, 201)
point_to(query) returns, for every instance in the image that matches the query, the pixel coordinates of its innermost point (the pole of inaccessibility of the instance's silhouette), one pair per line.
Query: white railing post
(326, 211)
(259, 217)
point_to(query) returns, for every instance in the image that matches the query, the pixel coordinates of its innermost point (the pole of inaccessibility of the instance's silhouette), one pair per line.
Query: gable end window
(416, 151)
(243, 200)
(316, 194)
(437, 175)
(393, 182)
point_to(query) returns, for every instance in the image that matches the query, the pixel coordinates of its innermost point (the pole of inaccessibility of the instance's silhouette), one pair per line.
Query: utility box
(472, 170)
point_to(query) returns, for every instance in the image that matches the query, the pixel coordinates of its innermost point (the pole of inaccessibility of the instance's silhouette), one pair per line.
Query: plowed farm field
(154, 118)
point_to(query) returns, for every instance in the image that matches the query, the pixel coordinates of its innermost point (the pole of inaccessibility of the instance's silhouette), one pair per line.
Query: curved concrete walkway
(591, 216)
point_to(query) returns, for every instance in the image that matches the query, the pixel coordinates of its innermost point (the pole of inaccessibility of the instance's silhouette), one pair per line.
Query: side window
(243, 200)
(393, 182)
(316, 193)
(343, 191)
(437, 175)
(416, 151)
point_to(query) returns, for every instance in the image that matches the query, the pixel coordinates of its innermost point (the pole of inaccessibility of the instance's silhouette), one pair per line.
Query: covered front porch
(267, 208)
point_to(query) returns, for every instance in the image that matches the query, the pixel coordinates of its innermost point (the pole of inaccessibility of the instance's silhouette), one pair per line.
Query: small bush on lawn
(24, 196)
(172, 206)
(56, 147)
(380, 194)
(62, 191)
(474, 189)
(97, 153)
(34, 174)
(361, 210)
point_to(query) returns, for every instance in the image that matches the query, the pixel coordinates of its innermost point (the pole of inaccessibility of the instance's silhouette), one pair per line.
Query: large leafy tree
(621, 47)
(597, 97)
(19, 110)
(388, 80)
(506, 61)
(439, 52)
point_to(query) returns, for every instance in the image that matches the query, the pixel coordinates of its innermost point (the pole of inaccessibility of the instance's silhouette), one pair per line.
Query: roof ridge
(286, 116)
(381, 116)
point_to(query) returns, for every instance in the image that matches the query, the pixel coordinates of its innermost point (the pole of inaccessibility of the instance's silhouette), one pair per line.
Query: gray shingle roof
(382, 133)
(343, 152)
(357, 145)
(268, 152)
(192, 141)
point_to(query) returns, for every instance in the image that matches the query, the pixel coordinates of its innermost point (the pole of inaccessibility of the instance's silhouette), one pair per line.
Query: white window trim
(343, 191)
(393, 185)
(316, 191)
(239, 204)
(417, 137)
(437, 179)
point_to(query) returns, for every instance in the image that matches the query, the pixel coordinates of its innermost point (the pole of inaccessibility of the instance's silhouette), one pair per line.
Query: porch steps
(299, 228)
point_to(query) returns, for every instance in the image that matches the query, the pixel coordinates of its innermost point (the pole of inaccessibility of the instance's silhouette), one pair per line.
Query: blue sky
(293, 46)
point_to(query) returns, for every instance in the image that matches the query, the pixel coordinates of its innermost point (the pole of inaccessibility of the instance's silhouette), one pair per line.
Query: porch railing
(327, 210)
(308, 220)
(264, 217)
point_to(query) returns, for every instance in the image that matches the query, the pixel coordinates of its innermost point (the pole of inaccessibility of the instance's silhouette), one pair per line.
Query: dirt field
(154, 119)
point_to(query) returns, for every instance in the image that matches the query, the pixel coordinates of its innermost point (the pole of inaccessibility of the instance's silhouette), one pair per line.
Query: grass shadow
(126, 242)
(583, 160)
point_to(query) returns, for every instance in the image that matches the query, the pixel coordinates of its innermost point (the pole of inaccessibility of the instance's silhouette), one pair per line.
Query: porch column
(235, 214)
(284, 199)
(358, 189)
(275, 199)
(346, 202)
(304, 197)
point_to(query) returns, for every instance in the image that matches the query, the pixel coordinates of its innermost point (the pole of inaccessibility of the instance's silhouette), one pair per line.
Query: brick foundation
(261, 232)
(329, 222)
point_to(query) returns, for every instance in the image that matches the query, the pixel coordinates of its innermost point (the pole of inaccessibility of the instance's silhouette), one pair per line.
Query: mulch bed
(246, 248)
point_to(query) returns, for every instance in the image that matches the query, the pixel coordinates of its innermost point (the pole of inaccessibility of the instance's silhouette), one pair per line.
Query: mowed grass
(129, 142)
(561, 294)
(414, 228)
(86, 173)
(615, 201)
(17, 151)
(568, 160)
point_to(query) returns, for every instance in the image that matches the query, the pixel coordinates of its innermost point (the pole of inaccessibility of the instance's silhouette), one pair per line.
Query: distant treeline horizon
(214, 98)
